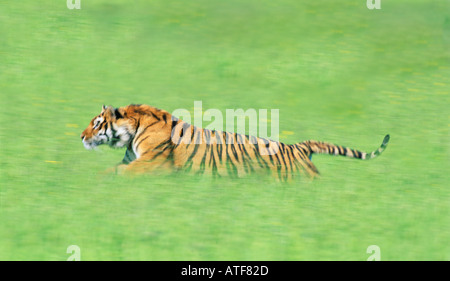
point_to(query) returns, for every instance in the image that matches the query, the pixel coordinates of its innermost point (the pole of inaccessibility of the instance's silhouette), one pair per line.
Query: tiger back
(154, 139)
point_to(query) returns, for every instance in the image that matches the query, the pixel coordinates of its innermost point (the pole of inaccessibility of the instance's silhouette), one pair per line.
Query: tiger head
(109, 127)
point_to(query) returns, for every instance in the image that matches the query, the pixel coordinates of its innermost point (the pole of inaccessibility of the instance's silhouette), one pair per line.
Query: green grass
(336, 71)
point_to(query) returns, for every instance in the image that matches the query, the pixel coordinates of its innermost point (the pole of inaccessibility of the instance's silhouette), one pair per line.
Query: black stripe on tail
(327, 148)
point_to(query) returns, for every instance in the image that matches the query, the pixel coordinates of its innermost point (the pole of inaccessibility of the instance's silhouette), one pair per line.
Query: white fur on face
(116, 136)
(121, 137)
(95, 141)
(98, 121)
(99, 138)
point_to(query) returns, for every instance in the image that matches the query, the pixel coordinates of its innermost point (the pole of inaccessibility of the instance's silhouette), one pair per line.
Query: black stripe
(175, 122)
(308, 163)
(233, 150)
(202, 163)
(257, 154)
(207, 136)
(247, 161)
(113, 131)
(291, 150)
(219, 149)
(157, 118)
(211, 157)
(193, 128)
(332, 150)
(231, 168)
(100, 126)
(284, 161)
(357, 153)
(214, 167)
(137, 145)
(117, 114)
(143, 131)
(138, 124)
(300, 151)
(161, 144)
(162, 151)
(289, 157)
(226, 137)
(192, 155)
(188, 166)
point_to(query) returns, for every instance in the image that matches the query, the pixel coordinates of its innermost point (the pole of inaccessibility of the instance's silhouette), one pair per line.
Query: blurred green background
(337, 72)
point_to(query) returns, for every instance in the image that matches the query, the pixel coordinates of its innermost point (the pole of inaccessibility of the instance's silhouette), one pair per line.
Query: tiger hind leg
(310, 168)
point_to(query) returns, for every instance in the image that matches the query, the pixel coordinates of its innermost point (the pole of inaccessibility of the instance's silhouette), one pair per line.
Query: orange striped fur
(157, 140)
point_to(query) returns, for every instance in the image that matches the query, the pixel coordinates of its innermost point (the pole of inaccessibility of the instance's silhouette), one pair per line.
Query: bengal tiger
(156, 139)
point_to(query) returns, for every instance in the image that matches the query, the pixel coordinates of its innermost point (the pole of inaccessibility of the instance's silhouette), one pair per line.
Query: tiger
(155, 139)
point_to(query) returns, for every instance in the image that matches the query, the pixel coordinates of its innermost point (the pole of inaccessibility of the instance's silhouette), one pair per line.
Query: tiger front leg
(149, 158)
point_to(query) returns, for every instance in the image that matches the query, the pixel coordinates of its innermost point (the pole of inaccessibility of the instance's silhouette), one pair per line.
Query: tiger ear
(103, 108)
